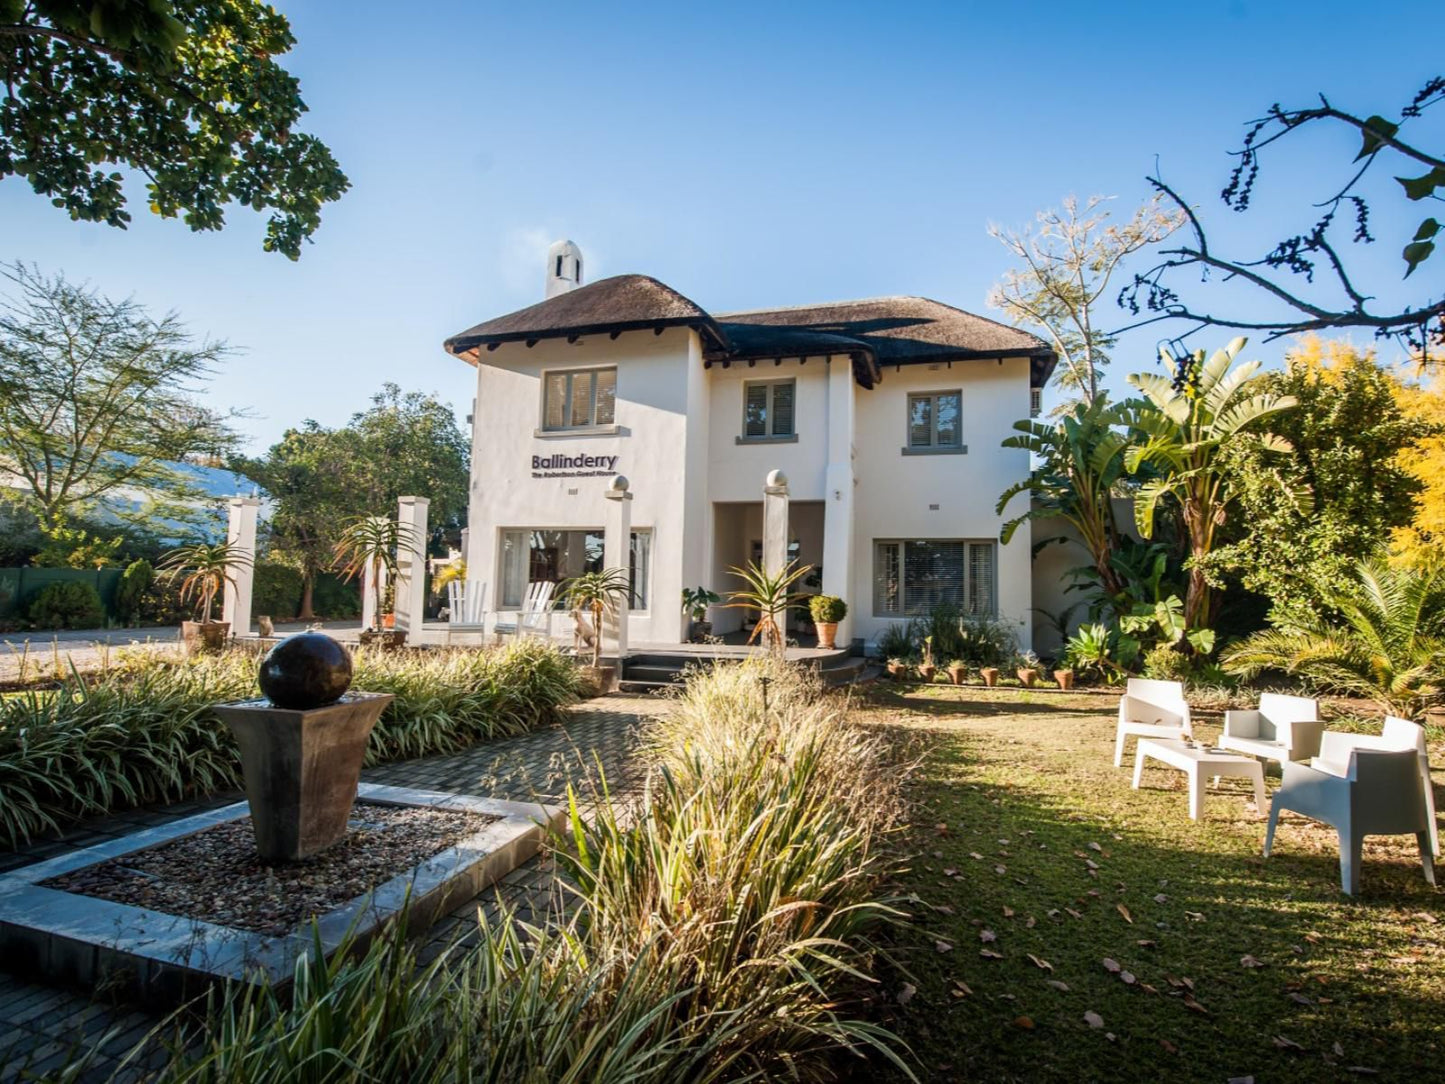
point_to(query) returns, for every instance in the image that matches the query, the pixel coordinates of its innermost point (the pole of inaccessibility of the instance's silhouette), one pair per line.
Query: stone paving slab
(42, 1027)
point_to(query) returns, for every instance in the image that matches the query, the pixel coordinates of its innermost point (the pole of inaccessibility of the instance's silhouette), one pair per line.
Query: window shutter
(755, 411)
(782, 409)
(920, 421)
(981, 577)
(606, 396)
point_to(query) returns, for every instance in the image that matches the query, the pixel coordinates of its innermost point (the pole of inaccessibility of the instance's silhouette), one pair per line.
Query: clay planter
(1027, 677)
(387, 639)
(827, 634)
(301, 769)
(897, 670)
(989, 675)
(600, 679)
(200, 636)
(1065, 678)
(956, 674)
(926, 672)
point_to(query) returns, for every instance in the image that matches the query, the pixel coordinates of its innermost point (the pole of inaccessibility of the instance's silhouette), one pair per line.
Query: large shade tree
(185, 92)
(98, 401)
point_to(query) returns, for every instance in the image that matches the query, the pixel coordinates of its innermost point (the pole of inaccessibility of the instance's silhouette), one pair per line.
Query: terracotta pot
(1027, 677)
(827, 634)
(200, 636)
(956, 674)
(897, 671)
(989, 675)
(387, 639)
(1065, 678)
(926, 672)
(388, 621)
(600, 679)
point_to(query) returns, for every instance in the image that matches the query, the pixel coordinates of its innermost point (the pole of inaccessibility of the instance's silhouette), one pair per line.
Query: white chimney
(564, 268)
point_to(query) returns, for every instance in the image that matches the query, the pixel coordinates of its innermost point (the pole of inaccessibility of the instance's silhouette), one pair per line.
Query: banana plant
(1180, 430)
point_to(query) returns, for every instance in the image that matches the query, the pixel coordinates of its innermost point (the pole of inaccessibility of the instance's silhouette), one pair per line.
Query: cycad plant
(1180, 432)
(596, 592)
(1389, 647)
(771, 594)
(204, 569)
(373, 542)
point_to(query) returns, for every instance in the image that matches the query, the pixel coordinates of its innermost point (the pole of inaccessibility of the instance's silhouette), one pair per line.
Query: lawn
(1070, 928)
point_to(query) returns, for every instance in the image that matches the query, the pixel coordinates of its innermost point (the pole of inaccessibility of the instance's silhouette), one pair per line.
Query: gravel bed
(216, 875)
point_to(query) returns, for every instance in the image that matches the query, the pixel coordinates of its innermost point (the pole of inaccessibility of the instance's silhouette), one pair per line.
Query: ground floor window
(913, 576)
(546, 555)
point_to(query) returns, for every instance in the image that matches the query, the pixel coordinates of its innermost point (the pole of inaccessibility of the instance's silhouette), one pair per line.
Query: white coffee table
(1196, 763)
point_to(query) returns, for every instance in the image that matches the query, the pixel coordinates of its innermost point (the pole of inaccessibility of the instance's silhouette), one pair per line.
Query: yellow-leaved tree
(1424, 459)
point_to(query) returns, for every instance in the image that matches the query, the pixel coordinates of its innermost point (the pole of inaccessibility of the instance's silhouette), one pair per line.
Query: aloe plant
(372, 542)
(596, 592)
(204, 569)
(771, 594)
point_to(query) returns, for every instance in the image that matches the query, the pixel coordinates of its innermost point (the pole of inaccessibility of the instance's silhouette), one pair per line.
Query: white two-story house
(886, 416)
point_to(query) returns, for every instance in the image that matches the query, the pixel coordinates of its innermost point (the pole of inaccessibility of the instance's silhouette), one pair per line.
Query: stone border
(81, 940)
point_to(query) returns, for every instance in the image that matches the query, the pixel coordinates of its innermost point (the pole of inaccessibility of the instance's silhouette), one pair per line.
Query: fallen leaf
(1057, 985)
(1024, 1022)
(1052, 912)
(1312, 937)
(1095, 847)
(1300, 999)
(962, 988)
(1091, 864)
(1169, 1048)
(942, 908)
(943, 946)
(1241, 1080)
(1146, 943)
(1286, 1043)
(1111, 966)
(1093, 1019)
(1031, 922)
(1127, 977)
(906, 992)
(950, 871)
(941, 828)
(1194, 916)
(989, 954)
(1194, 1006)
(1338, 1049)
(1125, 912)
(1008, 912)
(987, 935)
(1250, 961)
(1425, 916)
(1043, 965)
(1362, 1070)
(1159, 897)
(1073, 913)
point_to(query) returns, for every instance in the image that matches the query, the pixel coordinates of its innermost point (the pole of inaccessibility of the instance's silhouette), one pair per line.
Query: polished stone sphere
(304, 671)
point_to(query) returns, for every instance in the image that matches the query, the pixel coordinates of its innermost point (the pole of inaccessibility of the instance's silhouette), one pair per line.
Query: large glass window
(768, 409)
(579, 399)
(912, 577)
(933, 420)
(539, 555)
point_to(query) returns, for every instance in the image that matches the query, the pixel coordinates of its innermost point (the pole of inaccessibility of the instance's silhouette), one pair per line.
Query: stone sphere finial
(776, 479)
(307, 670)
(618, 484)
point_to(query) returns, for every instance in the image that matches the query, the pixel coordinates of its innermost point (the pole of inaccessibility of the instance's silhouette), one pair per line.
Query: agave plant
(371, 543)
(204, 569)
(1388, 648)
(596, 592)
(771, 594)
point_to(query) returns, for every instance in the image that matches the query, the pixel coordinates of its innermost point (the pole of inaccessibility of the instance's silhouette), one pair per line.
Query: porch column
(410, 605)
(241, 534)
(370, 619)
(838, 577)
(617, 552)
(775, 529)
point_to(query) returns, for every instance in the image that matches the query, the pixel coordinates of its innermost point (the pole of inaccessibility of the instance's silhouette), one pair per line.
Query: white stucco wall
(736, 471)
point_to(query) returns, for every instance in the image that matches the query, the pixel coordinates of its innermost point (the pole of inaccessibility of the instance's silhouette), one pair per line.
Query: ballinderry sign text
(573, 466)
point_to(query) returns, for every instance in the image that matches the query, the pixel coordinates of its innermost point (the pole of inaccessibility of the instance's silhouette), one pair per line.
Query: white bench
(1196, 763)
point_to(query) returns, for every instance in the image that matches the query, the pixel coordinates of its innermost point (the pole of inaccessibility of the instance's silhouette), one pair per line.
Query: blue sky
(748, 155)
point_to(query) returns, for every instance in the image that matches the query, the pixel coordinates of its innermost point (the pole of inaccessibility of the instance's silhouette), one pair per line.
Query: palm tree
(1181, 430)
(206, 567)
(1389, 647)
(1081, 460)
(372, 542)
(771, 594)
(596, 592)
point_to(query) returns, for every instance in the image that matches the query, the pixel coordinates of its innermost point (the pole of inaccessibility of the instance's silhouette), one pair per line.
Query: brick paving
(43, 1028)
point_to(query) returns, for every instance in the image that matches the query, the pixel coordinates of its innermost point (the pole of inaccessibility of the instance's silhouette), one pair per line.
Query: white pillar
(241, 533)
(410, 605)
(775, 530)
(617, 551)
(838, 578)
(370, 619)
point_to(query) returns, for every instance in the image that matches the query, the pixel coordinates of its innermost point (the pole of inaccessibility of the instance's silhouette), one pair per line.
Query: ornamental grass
(143, 730)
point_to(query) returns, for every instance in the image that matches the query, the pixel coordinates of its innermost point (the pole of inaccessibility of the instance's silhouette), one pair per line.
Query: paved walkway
(43, 1027)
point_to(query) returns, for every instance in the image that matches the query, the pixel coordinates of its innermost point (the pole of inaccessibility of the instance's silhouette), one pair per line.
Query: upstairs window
(768, 409)
(580, 399)
(933, 421)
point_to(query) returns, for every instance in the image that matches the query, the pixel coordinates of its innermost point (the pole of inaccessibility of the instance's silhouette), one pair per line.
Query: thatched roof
(875, 333)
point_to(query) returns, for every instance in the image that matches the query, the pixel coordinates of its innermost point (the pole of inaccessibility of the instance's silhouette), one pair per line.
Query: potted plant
(989, 675)
(957, 670)
(771, 594)
(596, 593)
(1064, 675)
(827, 611)
(897, 669)
(1026, 666)
(371, 544)
(695, 601)
(204, 568)
(926, 669)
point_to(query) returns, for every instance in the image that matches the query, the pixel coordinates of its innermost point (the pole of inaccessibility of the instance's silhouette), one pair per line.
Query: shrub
(894, 642)
(70, 604)
(1164, 663)
(130, 592)
(276, 591)
(333, 597)
(827, 609)
(984, 640)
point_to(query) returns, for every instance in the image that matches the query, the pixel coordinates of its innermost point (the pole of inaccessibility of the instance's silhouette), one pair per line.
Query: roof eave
(459, 345)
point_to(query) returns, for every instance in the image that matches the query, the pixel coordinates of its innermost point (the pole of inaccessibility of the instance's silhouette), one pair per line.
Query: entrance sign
(573, 466)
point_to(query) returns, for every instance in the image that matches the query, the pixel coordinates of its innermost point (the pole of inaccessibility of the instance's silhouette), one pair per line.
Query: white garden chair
(466, 607)
(534, 618)
(1151, 709)
(1281, 728)
(1377, 793)
(1397, 735)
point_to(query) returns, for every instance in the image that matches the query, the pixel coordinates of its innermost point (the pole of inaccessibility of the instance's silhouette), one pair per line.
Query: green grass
(1017, 795)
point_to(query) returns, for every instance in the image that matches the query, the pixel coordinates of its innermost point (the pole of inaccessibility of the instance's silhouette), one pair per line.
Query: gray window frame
(571, 374)
(769, 437)
(932, 448)
(903, 611)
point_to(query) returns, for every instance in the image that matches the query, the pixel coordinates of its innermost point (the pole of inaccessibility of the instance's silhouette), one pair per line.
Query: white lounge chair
(1281, 728)
(534, 618)
(1379, 793)
(466, 607)
(1397, 735)
(1151, 709)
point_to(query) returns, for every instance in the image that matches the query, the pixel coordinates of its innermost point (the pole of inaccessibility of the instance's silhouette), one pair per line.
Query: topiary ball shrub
(67, 605)
(1164, 663)
(828, 609)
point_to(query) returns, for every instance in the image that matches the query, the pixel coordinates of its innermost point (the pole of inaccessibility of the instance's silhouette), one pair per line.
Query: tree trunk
(308, 592)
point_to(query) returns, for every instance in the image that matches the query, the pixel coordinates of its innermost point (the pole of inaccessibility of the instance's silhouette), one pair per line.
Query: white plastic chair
(534, 618)
(466, 607)
(1151, 709)
(1397, 735)
(1281, 728)
(1379, 793)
